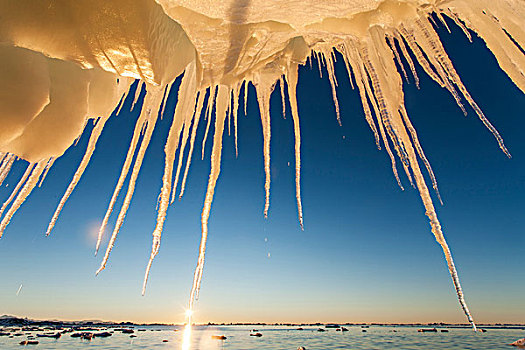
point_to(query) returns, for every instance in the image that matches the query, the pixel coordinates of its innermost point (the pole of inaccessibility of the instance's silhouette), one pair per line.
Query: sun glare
(186, 340)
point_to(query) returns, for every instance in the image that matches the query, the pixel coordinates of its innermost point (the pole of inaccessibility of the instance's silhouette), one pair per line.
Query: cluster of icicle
(376, 64)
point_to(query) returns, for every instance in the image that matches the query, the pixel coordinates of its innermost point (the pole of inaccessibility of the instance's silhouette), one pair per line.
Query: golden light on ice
(64, 62)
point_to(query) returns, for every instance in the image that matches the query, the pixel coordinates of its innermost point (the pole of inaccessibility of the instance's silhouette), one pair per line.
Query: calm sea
(273, 337)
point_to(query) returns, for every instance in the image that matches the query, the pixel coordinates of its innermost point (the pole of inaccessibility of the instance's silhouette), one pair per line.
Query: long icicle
(151, 108)
(347, 57)
(209, 109)
(384, 116)
(220, 116)
(139, 125)
(458, 22)
(419, 45)
(235, 110)
(333, 84)
(123, 87)
(365, 90)
(196, 120)
(3, 161)
(6, 167)
(385, 83)
(392, 44)
(420, 151)
(283, 96)
(407, 57)
(438, 233)
(48, 167)
(292, 77)
(185, 133)
(22, 180)
(185, 104)
(245, 96)
(22, 195)
(441, 56)
(80, 170)
(263, 97)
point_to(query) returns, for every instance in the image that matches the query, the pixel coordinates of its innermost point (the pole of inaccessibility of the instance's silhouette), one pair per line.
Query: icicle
(151, 107)
(420, 152)
(123, 87)
(292, 78)
(48, 167)
(423, 62)
(396, 54)
(5, 159)
(442, 20)
(322, 60)
(236, 92)
(508, 53)
(209, 110)
(343, 49)
(359, 81)
(333, 83)
(383, 112)
(86, 121)
(318, 56)
(427, 45)
(283, 96)
(383, 133)
(460, 24)
(5, 168)
(407, 57)
(185, 105)
(97, 130)
(263, 98)
(388, 90)
(139, 125)
(136, 96)
(28, 171)
(393, 100)
(436, 230)
(245, 82)
(22, 195)
(228, 114)
(198, 112)
(220, 114)
(431, 19)
(364, 87)
(185, 133)
(442, 57)
(381, 55)
(164, 100)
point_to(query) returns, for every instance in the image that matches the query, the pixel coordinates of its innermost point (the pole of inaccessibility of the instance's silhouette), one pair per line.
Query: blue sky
(366, 254)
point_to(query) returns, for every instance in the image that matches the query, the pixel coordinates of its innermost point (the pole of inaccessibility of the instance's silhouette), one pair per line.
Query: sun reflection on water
(186, 338)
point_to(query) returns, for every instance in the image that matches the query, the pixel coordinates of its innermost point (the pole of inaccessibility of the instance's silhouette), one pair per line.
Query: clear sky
(366, 254)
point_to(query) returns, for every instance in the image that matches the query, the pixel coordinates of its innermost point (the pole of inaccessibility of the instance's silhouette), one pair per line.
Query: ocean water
(281, 337)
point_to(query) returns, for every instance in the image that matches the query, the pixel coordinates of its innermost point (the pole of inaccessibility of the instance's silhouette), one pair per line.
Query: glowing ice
(60, 63)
